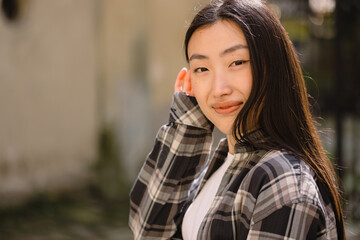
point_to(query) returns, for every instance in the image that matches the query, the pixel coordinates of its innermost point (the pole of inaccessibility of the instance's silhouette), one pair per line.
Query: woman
(270, 177)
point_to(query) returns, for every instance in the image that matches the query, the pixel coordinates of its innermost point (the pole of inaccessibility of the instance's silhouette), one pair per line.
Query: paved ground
(77, 233)
(77, 216)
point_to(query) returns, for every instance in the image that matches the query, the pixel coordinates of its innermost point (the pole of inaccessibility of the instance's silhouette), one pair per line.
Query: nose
(221, 85)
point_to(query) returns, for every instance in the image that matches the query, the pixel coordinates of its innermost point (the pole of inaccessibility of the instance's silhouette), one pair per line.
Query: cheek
(246, 83)
(201, 96)
(249, 86)
(196, 90)
(250, 81)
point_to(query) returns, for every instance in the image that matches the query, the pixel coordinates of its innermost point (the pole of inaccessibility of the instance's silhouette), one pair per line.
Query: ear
(180, 80)
(187, 88)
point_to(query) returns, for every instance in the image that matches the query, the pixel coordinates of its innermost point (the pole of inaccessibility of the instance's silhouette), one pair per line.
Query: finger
(180, 80)
(187, 84)
(191, 93)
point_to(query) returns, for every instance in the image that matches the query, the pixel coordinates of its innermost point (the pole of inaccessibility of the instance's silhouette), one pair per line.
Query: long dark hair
(278, 102)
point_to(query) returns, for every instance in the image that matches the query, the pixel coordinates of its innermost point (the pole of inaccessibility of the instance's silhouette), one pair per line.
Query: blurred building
(70, 69)
(48, 91)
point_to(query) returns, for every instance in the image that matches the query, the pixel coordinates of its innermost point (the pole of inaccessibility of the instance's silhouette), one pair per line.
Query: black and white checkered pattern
(263, 194)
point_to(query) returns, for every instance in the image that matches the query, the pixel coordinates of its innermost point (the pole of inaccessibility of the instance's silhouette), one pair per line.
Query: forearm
(162, 187)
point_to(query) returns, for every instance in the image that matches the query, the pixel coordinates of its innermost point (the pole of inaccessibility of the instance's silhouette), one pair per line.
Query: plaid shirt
(263, 194)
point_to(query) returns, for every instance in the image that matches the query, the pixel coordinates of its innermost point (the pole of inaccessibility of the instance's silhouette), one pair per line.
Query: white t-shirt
(202, 203)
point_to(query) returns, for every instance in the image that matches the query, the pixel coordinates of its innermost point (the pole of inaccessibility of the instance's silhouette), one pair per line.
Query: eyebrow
(197, 56)
(233, 49)
(225, 52)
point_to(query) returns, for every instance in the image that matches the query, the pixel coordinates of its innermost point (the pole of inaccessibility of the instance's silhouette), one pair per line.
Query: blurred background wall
(70, 69)
(48, 97)
(85, 85)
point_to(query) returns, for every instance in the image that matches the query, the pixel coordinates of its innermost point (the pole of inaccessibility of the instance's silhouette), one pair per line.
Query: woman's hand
(183, 82)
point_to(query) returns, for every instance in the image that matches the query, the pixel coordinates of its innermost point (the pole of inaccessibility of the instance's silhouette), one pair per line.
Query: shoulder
(272, 168)
(281, 179)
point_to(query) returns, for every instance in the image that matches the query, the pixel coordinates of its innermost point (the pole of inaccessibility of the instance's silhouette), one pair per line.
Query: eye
(200, 70)
(238, 63)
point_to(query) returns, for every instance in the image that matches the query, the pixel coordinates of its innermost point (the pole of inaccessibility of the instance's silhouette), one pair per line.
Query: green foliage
(110, 180)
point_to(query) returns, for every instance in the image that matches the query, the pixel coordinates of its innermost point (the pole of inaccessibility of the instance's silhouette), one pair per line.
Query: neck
(231, 143)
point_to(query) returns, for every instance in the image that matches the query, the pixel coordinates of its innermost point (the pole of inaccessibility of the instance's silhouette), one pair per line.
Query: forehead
(216, 37)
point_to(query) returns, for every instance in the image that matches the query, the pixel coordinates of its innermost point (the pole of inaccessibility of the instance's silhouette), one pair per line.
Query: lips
(227, 107)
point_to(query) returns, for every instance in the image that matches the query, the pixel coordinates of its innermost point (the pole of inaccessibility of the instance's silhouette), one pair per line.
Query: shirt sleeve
(296, 221)
(162, 187)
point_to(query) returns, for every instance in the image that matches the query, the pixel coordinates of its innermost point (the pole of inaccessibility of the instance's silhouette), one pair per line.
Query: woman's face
(221, 76)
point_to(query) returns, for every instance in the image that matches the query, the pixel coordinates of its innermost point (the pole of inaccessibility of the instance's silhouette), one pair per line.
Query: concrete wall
(143, 54)
(70, 68)
(48, 122)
